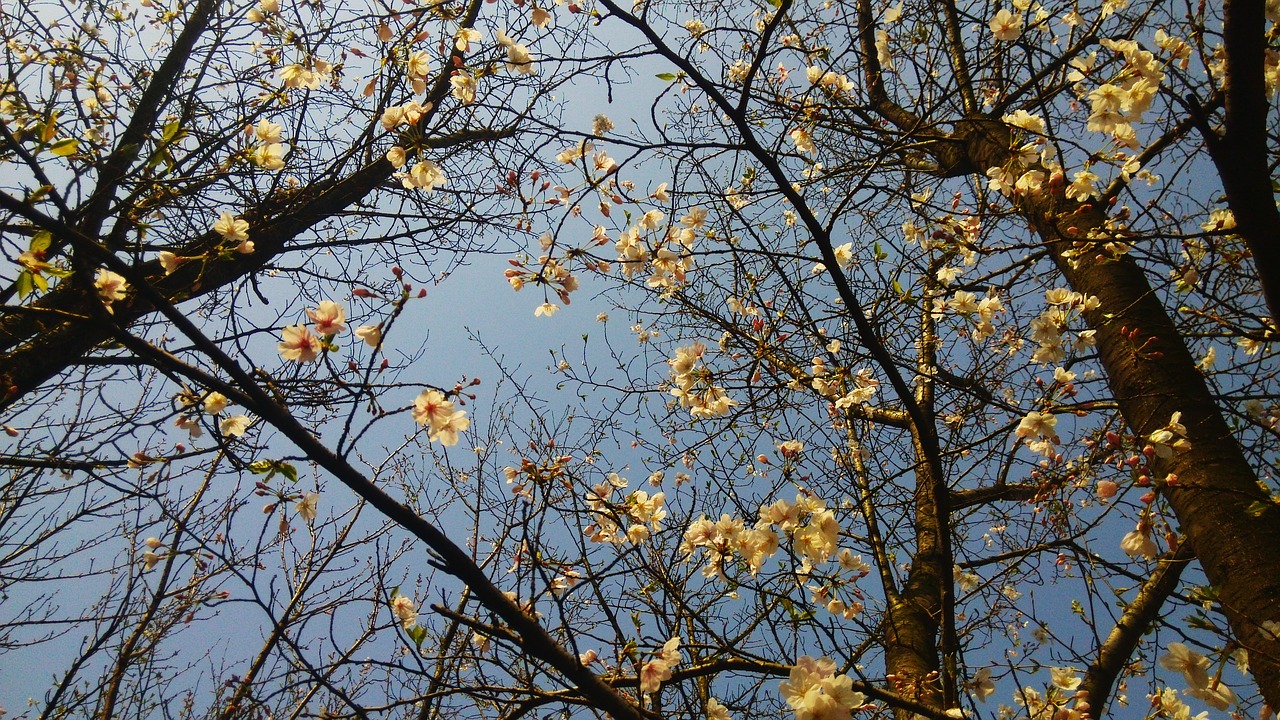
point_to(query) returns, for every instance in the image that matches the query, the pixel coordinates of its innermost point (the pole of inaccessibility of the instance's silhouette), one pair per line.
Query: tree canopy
(954, 392)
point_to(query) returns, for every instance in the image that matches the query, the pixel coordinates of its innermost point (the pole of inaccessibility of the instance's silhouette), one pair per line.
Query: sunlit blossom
(306, 506)
(329, 318)
(111, 287)
(298, 344)
(405, 611)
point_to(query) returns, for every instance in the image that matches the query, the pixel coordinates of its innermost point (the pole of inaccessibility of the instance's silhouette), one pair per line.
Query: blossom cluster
(269, 152)
(1194, 667)
(812, 528)
(547, 271)
(981, 312)
(1117, 104)
(310, 74)
(815, 692)
(212, 403)
(443, 421)
(234, 231)
(1049, 328)
(658, 669)
(692, 384)
(632, 519)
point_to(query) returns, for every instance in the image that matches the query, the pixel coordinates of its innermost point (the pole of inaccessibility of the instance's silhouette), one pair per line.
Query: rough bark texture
(1152, 377)
(62, 327)
(1114, 654)
(1241, 152)
(1216, 484)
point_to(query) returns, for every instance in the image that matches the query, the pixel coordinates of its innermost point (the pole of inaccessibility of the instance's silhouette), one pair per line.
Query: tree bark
(1152, 375)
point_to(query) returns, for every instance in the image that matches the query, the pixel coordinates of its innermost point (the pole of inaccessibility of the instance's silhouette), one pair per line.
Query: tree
(912, 319)
(224, 159)
(848, 121)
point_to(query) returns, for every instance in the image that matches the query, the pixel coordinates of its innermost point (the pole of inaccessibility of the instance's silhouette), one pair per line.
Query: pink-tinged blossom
(405, 612)
(652, 673)
(169, 261)
(655, 671)
(189, 423)
(110, 286)
(298, 344)
(328, 317)
(431, 409)
(1006, 26)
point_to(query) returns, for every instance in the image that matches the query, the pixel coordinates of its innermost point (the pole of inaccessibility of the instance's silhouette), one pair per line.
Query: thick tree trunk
(1216, 486)
(1152, 377)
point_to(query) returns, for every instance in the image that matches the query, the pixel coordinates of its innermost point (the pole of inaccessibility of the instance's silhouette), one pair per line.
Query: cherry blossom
(110, 286)
(328, 317)
(431, 409)
(1006, 26)
(231, 228)
(815, 692)
(298, 344)
(370, 334)
(235, 426)
(215, 402)
(306, 506)
(405, 611)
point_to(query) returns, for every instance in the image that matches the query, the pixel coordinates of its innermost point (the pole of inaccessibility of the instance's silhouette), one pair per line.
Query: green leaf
(1258, 507)
(24, 284)
(171, 131)
(65, 147)
(669, 77)
(418, 633)
(41, 241)
(40, 282)
(271, 467)
(774, 3)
